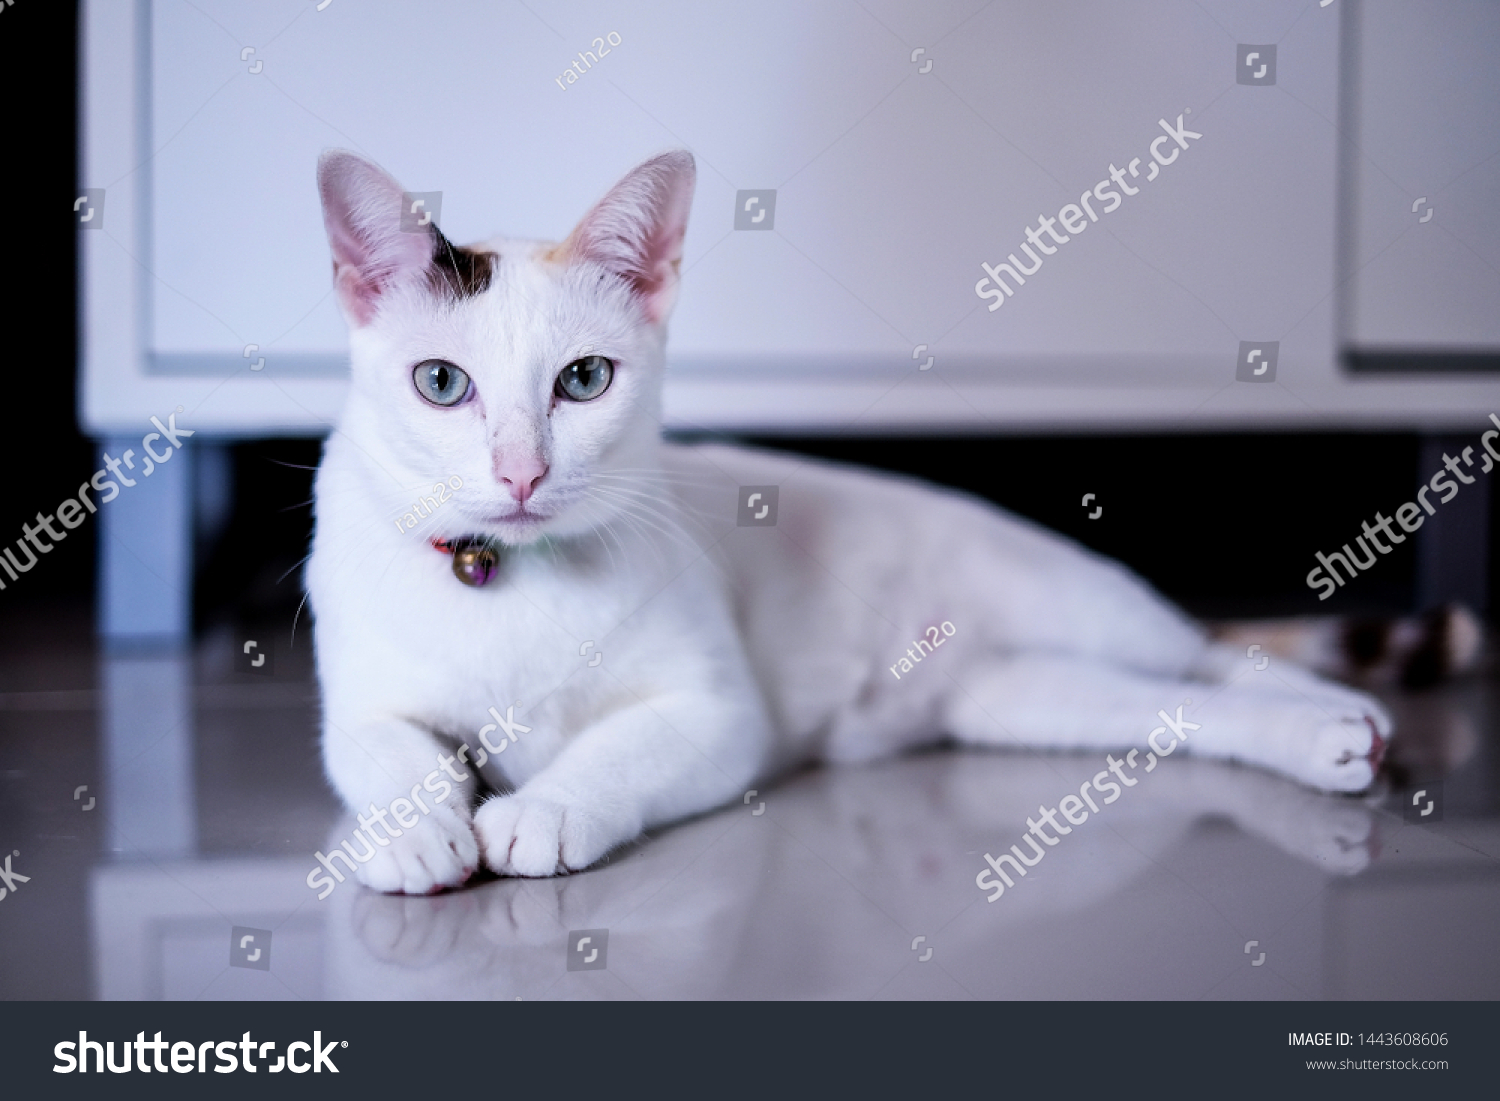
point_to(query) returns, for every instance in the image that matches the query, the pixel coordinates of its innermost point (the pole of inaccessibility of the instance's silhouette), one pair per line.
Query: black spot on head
(1365, 641)
(458, 272)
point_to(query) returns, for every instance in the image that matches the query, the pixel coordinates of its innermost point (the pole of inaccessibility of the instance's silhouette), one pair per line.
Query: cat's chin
(517, 527)
(518, 530)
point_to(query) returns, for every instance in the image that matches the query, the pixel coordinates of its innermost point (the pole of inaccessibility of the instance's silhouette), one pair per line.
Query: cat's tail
(1414, 652)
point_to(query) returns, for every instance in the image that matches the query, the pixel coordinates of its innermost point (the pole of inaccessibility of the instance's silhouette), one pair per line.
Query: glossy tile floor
(156, 804)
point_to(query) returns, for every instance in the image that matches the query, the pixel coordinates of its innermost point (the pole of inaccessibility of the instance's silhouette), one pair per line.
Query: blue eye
(440, 382)
(585, 379)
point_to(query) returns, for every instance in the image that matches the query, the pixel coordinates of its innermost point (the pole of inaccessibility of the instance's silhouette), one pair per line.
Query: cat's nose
(521, 476)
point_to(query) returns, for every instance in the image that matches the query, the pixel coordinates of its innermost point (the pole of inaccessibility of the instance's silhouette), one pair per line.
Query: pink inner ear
(657, 283)
(637, 230)
(362, 213)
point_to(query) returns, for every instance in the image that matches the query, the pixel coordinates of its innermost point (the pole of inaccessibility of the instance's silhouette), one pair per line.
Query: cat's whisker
(610, 513)
(598, 530)
(655, 494)
(599, 513)
(299, 562)
(676, 502)
(645, 536)
(604, 524)
(297, 616)
(552, 546)
(652, 535)
(674, 514)
(629, 507)
(653, 532)
(665, 478)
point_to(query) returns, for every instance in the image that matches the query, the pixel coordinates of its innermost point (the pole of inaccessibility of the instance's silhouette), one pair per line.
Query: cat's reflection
(840, 870)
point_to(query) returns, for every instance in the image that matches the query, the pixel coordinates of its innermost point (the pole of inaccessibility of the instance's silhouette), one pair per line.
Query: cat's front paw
(439, 851)
(528, 835)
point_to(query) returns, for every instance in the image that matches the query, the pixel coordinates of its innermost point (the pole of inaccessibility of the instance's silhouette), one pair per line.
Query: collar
(476, 558)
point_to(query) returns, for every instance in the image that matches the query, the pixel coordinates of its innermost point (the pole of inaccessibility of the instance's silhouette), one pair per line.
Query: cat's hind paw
(439, 851)
(1342, 752)
(527, 835)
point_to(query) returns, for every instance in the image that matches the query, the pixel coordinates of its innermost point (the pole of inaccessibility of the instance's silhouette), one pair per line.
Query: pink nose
(521, 476)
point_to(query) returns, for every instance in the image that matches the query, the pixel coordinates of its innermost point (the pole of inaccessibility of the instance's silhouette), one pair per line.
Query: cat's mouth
(520, 521)
(520, 515)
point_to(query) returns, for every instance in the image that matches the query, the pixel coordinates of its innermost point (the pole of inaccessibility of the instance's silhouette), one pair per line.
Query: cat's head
(530, 370)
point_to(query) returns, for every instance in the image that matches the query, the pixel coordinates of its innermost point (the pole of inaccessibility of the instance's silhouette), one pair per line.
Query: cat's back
(860, 523)
(834, 571)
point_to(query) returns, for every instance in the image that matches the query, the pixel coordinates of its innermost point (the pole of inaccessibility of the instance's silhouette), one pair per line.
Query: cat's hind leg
(1330, 740)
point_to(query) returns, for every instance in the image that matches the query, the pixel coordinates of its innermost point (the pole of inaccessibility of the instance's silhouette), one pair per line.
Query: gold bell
(475, 563)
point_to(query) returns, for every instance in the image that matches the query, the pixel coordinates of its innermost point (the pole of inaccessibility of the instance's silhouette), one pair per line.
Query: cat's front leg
(656, 761)
(412, 800)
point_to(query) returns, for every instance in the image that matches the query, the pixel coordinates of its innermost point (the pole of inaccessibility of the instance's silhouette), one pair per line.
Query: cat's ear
(636, 230)
(371, 250)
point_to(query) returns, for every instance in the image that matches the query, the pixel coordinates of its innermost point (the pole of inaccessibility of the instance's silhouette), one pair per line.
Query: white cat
(529, 374)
